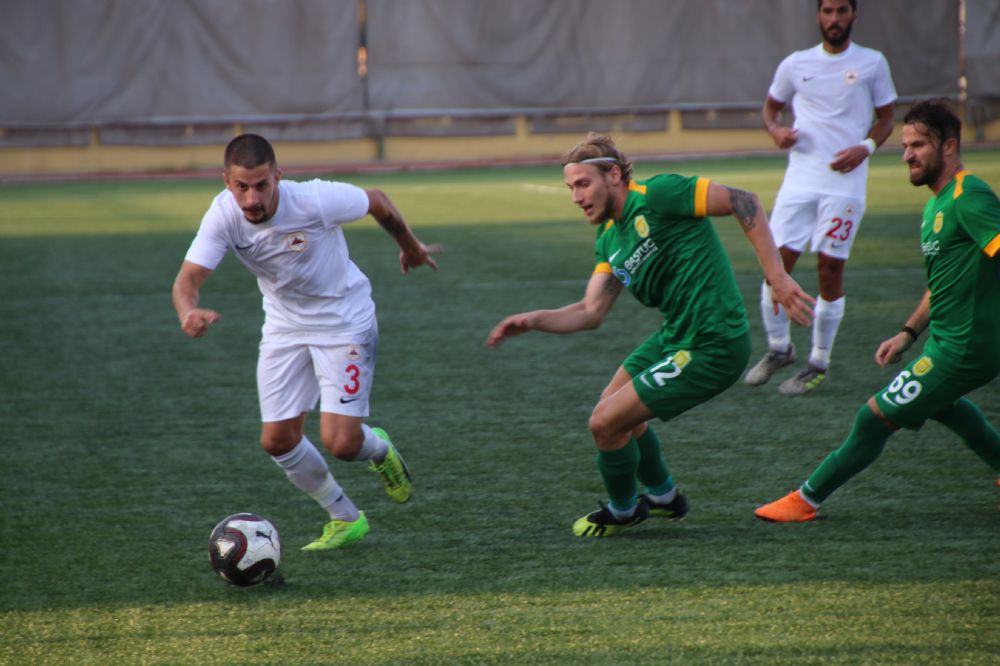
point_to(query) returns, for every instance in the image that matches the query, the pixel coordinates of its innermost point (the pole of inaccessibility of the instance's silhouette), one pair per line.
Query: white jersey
(833, 97)
(313, 292)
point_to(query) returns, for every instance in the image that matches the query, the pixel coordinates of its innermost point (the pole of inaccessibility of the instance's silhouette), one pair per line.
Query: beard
(840, 38)
(930, 172)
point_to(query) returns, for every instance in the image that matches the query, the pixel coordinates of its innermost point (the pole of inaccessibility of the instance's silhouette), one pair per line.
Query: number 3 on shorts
(353, 372)
(903, 389)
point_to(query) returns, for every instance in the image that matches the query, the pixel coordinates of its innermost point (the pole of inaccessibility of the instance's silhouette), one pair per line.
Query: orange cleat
(791, 508)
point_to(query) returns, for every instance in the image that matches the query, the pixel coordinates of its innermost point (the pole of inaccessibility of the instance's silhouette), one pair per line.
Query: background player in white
(320, 332)
(833, 87)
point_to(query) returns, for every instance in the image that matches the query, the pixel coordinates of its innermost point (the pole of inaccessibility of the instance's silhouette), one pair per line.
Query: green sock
(859, 450)
(618, 471)
(653, 471)
(967, 421)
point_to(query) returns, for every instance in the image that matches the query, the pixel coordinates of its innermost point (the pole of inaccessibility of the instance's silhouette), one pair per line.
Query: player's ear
(951, 146)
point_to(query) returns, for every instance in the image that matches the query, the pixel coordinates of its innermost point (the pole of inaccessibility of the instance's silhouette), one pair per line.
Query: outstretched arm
(747, 209)
(186, 294)
(892, 349)
(412, 252)
(585, 314)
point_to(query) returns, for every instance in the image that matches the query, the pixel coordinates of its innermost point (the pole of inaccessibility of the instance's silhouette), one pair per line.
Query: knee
(344, 443)
(830, 276)
(601, 430)
(278, 443)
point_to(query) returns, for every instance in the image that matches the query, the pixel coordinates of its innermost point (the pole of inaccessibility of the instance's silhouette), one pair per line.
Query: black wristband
(913, 334)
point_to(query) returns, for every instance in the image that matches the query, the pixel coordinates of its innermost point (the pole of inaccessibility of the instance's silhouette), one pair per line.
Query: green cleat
(337, 533)
(602, 523)
(393, 471)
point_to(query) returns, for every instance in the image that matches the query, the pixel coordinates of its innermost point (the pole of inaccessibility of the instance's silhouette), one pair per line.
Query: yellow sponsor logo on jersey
(938, 222)
(641, 226)
(682, 358)
(923, 366)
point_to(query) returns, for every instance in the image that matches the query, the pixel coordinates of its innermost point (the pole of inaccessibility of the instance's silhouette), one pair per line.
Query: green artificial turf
(124, 442)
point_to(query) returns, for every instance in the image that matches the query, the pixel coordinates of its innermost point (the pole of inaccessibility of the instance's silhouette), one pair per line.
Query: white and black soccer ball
(244, 549)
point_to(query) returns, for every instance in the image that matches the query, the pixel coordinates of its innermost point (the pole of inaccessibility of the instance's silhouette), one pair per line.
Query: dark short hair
(596, 146)
(249, 151)
(936, 115)
(854, 5)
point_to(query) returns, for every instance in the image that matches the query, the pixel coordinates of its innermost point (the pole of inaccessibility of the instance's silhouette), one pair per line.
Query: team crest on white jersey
(296, 241)
(850, 77)
(353, 352)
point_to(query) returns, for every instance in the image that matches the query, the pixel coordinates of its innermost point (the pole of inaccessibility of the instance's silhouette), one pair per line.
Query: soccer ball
(244, 549)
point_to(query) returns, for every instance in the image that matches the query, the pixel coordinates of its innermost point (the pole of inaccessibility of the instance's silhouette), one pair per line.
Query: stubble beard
(841, 39)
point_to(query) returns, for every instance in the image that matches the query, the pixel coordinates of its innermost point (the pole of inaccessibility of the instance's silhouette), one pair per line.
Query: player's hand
(419, 256)
(848, 159)
(797, 303)
(508, 328)
(197, 321)
(891, 350)
(785, 137)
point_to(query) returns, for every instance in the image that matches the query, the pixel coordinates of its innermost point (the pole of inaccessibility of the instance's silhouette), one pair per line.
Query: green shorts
(671, 380)
(931, 383)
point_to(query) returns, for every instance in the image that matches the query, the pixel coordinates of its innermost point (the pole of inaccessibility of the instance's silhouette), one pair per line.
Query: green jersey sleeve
(978, 211)
(673, 195)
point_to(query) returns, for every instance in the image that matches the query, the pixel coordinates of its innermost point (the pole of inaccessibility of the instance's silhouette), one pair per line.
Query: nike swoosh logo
(245, 247)
(344, 401)
(612, 257)
(808, 78)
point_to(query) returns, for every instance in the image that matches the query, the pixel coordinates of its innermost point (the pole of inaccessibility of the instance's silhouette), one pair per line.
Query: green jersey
(960, 239)
(666, 252)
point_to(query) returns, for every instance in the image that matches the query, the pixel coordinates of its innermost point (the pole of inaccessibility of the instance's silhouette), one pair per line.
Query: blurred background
(140, 86)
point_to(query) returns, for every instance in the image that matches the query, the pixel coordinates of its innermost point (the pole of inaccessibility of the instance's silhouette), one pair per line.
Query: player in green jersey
(960, 238)
(655, 239)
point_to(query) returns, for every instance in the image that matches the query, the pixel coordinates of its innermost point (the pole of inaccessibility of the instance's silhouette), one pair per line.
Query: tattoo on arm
(392, 222)
(744, 207)
(613, 286)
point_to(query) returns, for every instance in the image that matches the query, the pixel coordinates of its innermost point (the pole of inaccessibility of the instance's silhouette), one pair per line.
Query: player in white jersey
(833, 88)
(320, 333)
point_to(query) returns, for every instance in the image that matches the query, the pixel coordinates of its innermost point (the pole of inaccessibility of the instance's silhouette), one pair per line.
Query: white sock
(665, 498)
(308, 471)
(779, 336)
(373, 447)
(802, 494)
(828, 317)
(622, 515)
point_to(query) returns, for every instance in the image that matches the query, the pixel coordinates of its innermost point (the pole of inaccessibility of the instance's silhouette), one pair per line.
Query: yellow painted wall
(523, 144)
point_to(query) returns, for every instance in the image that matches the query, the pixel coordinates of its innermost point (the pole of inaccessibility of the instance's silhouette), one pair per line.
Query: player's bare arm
(186, 295)
(851, 157)
(891, 350)
(748, 211)
(783, 137)
(585, 314)
(412, 252)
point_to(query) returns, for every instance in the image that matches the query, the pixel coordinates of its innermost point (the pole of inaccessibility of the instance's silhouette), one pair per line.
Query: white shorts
(828, 223)
(291, 378)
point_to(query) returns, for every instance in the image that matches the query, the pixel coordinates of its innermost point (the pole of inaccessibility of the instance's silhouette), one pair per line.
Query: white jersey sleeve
(340, 203)
(782, 88)
(212, 240)
(883, 89)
